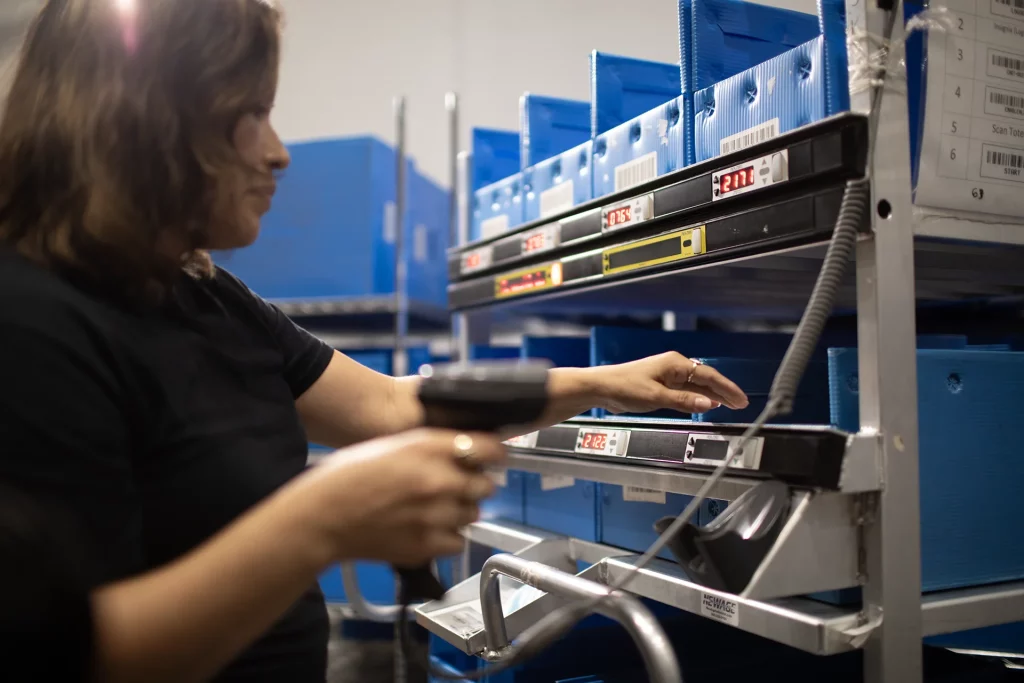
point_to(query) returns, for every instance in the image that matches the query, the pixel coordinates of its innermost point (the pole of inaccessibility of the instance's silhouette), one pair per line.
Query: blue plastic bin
(558, 184)
(761, 103)
(622, 88)
(495, 156)
(497, 208)
(549, 126)
(331, 231)
(644, 148)
(721, 38)
(969, 407)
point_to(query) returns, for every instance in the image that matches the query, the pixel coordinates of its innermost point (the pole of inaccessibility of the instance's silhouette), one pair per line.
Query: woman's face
(260, 149)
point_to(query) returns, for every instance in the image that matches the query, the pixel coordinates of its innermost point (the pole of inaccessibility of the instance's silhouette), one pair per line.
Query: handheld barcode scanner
(477, 397)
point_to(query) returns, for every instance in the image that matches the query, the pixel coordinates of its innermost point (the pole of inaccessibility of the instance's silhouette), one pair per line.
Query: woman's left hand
(667, 381)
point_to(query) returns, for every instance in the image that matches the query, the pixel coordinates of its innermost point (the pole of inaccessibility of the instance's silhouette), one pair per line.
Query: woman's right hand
(402, 499)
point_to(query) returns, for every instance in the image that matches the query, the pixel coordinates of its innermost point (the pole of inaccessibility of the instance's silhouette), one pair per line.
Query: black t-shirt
(156, 427)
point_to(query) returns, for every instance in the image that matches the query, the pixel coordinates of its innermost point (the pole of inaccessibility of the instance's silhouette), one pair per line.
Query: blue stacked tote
(721, 38)
(557, 184)
(969, 405)
(549, 126)
(329, 233)
(495, 156)
(775, 97)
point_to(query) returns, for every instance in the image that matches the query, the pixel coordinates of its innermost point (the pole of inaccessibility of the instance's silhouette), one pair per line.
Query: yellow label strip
(690, 243)
(528, 280)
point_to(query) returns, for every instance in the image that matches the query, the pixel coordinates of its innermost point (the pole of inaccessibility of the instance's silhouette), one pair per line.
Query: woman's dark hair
(115, 146)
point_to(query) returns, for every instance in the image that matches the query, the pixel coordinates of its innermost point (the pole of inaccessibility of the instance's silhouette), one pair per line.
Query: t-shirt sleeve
(305, 357)
(65, 436)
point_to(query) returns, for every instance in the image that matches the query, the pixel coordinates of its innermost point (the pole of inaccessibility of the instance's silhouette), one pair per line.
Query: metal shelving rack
(865, 531)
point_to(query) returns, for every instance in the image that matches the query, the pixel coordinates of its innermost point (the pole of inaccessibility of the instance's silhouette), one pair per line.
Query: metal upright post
(400, 362)
(888, 391)
(451, 105)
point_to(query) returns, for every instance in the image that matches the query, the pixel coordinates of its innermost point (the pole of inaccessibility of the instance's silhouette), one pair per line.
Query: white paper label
(492, 227)
(750, 137)
(972, 152)
(553, 482)
(420, 247)
(463, 619)
(523, 441)
(390, 222)
(720, 609)
(556, 199)
(636, 172)
(635, 494)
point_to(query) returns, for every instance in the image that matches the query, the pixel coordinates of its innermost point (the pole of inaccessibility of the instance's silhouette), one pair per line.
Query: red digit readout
(737, 179)
(534, 242)
(619, 216)
(473, 260)
(597, 442)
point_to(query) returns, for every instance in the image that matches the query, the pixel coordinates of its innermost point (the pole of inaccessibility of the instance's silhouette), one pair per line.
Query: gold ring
(693, 370)
(464, 448)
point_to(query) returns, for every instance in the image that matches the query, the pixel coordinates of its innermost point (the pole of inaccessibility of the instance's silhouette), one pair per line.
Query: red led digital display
(735, 180)
(620, 216)
(534, 242)
(593, 440)
(473, 260)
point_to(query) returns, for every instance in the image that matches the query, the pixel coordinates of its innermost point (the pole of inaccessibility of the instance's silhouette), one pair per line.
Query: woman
(165, 407)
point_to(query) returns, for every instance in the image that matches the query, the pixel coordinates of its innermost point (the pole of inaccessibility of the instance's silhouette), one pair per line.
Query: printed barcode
(1018, 4)
(636, 172)
(1004, 159)
(750, 137)
(1004, 62)
(1003, 99)
(1002, 163)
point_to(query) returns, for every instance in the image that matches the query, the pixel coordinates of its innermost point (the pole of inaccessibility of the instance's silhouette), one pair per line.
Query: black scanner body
(474, 397)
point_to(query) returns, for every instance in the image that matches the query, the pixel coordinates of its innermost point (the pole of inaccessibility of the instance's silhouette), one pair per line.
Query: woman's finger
(699, 375)
(688, 401)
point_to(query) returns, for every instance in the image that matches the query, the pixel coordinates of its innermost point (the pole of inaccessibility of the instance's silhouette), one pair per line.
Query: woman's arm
(401, 500)
(350, 403)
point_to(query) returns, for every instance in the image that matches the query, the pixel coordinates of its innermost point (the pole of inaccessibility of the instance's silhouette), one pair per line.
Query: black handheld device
(474, 397)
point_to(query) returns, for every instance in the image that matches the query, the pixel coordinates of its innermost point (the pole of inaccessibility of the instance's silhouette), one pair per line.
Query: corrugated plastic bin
(556, 185)
(721, 38)
(497, 208)
(772, 98)
(563, 505)
(638, 151)
(495, 155)
(629, 514)
(549, 126)
(331, 231)
(969, 408)
(622, 88)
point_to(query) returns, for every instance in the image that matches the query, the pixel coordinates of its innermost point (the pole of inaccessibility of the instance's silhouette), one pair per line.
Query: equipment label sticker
(553, 482)
(762, 132)
(635, 494)
(462, 619)
(720, 609)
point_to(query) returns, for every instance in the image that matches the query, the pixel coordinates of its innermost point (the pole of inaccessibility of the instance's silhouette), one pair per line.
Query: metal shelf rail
(864, 530)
